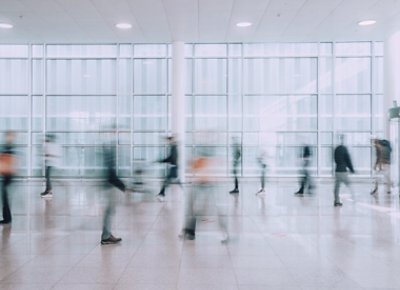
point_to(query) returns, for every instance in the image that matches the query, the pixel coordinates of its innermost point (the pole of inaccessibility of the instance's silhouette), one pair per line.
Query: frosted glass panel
(81, 77)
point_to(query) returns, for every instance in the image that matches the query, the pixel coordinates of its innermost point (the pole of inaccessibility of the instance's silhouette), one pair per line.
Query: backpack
(386, 144)
(386, 150)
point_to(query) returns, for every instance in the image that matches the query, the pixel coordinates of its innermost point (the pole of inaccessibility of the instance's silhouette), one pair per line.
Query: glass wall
(79, 93)
(273, 97)
(277, 97)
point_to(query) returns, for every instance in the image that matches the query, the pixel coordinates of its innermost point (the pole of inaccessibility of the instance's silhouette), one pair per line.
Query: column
(391, 75)
(178, 121)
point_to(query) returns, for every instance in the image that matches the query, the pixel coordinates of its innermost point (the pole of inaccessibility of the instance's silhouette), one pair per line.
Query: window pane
(353, 75)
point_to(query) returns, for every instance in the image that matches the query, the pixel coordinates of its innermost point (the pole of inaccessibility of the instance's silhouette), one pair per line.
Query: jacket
(342, 159)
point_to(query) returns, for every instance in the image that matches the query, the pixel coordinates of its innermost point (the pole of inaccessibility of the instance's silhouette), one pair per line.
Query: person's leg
(263, 178)
(236, 180)
(167, 182)
(303, 181)
(48, 181)
(338, 180)
(6, 204)
(189, 226)
(376, 182)
(222, 218)
(108, 213)
(386, 176)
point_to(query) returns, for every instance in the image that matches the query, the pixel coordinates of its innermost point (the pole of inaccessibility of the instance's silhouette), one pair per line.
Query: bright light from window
(244, 24)
(6, 25)
(366, 22)
(124, 25)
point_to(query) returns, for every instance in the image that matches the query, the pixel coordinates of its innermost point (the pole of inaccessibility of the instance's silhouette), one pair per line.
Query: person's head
(342, 139)
(50, 138)
(10, 137)
(170, 139)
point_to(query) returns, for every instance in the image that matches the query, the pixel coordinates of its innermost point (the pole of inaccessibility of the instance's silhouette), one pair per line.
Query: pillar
(391, 75)
(178, 120)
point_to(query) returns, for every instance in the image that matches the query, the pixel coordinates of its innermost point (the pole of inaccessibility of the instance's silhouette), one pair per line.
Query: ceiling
(156, 21)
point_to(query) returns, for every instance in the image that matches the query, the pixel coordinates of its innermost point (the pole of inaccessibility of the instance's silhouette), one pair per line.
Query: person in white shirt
(51, 154)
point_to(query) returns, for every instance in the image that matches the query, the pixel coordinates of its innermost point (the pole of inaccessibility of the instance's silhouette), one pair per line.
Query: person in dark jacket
(305, 181)
(343, 162)
(172, 161)
(8, 158)
(237, 154)
(112, 181)
(382, 164)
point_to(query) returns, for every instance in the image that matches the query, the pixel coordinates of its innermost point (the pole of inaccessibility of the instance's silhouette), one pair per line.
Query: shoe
(299, 193)
(3, 222)
(374, 191)
(338, 204)
(261, 191)
(48, 194)
(111, 240)
(234, 191)
(225, 238)
(187, 235)
(160, 198)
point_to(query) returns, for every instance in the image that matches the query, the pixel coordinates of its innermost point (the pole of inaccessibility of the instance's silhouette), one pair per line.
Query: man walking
(172, 162)
(7, 162)
(51, 155)
(236, 151)
(382, 164)
(343, 162)
(305, 181)
(112, 181)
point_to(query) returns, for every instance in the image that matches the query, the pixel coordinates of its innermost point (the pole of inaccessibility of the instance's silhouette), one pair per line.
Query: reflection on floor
(278, 242)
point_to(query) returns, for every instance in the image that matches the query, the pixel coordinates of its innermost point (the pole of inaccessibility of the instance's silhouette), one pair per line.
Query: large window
(277, 97)
(273, 97)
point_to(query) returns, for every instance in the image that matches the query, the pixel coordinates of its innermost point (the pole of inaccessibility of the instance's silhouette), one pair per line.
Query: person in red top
(7, 160)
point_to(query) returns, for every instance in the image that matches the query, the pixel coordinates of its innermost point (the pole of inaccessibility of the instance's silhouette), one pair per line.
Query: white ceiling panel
(197, 20)
(155, 28)
(278, 16)
(214, 16)
(246, 11)
(183, 19)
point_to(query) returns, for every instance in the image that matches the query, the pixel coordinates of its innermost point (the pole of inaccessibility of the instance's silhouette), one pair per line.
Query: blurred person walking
(172, 163)
(112, 183)
(305, 180)
(262, 162)
(343, 162)
(202, 198)
(52, 153)
(236, 154)
(7, 170)
(383, 151)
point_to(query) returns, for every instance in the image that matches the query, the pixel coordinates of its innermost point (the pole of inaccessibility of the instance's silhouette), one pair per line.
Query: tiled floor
(277, 242)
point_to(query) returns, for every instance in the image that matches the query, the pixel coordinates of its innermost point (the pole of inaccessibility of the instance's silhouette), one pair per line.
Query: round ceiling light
(6, 25)
(244, 24)
(366, 22)
(124, 25)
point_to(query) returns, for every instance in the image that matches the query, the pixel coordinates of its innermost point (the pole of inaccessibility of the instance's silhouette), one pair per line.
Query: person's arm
(348, 161)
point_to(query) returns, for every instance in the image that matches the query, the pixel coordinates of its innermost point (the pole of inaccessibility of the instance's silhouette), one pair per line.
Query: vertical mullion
(30, 101)
(228, 92)
(132, 99)
(117, 93)
(318, 116)
(372, 97)
(44, 127)
(333, 100)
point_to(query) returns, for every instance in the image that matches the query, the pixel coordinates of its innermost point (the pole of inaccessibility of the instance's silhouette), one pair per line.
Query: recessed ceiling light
(244, 24)
(6, 25)
(124, 25)
(366, 22)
